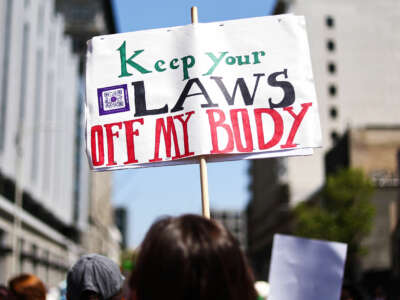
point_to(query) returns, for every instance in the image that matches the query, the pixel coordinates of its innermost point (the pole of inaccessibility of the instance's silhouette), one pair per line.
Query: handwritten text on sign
(236, 87)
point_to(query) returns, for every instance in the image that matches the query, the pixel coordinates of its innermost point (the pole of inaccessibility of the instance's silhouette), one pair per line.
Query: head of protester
(5, 293)
(190, 257)
(94, 277)
(27, 287)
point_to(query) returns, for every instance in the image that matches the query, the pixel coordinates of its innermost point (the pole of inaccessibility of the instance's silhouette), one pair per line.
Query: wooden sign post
(202, 160)
(204, 187)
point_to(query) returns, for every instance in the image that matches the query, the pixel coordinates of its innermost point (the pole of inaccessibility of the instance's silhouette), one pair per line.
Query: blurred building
(267, 211)
(83, 20)
(121, 221)
(39, 89)
(234, 221)
(355, 71)
(356, 74)
(102, 236)
(44, 176)
(376, 151)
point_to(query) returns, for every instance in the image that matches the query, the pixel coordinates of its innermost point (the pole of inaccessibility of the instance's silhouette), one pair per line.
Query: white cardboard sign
(238, 89)
(306, 269)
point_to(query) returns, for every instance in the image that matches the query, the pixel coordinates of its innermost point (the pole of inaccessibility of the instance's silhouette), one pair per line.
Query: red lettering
(214, 134)
(110, 141)
(246, 127)
(185, 132)
(97, 131)
(130, 145)
(278, 128)
(167, 132)
(297, 120)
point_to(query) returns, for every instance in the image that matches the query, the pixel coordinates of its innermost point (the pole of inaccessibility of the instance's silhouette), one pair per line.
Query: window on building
(21, 243)
(237, 230)
(334, 136)
(330, 44)
(40, 24)
(76, 44)
(34, 257)
(51, 45)
(3, 257)
(46, 257)
(24, 72)
(330, 21)
(36, 111)
(5, 71)
(332, 68)
(333, 112)
(332, 89)
(48, 136)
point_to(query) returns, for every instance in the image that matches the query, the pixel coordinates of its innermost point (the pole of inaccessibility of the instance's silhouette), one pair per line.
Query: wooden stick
(204, 187)
(195, 17)
(202, 160)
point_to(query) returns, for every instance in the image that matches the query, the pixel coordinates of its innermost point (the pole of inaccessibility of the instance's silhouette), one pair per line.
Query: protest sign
(305, 269)
(239, 89)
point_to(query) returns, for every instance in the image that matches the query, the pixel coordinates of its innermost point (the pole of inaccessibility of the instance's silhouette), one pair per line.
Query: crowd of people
(186, 257)
(181, 258)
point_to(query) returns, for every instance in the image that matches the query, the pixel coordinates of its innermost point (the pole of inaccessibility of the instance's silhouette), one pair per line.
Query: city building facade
(83, 20)
(39, 90)
(354, 64)
(121, 221)
(359, 148)
(102, 236)
(267, 212)
(52, 208)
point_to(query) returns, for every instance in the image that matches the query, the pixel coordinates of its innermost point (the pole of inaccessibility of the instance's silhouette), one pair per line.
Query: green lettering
(215, 60)
(158, 65)
(256, 58)
(173, 64)
(124, 61)
(240, 60)
(230, 60)
(187, 62)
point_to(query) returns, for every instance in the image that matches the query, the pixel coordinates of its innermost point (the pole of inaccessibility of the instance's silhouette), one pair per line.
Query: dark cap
(96, 273)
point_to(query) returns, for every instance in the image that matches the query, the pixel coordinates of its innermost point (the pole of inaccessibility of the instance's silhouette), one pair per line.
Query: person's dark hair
(5, 293)
(190, 257)
(90, 295)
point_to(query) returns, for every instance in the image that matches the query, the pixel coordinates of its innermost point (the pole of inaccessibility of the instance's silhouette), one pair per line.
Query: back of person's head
(5, 293)
(27, 287)
(190, 257)
(94, 276)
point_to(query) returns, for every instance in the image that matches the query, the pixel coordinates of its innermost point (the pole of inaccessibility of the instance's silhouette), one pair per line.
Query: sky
(151, 193)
